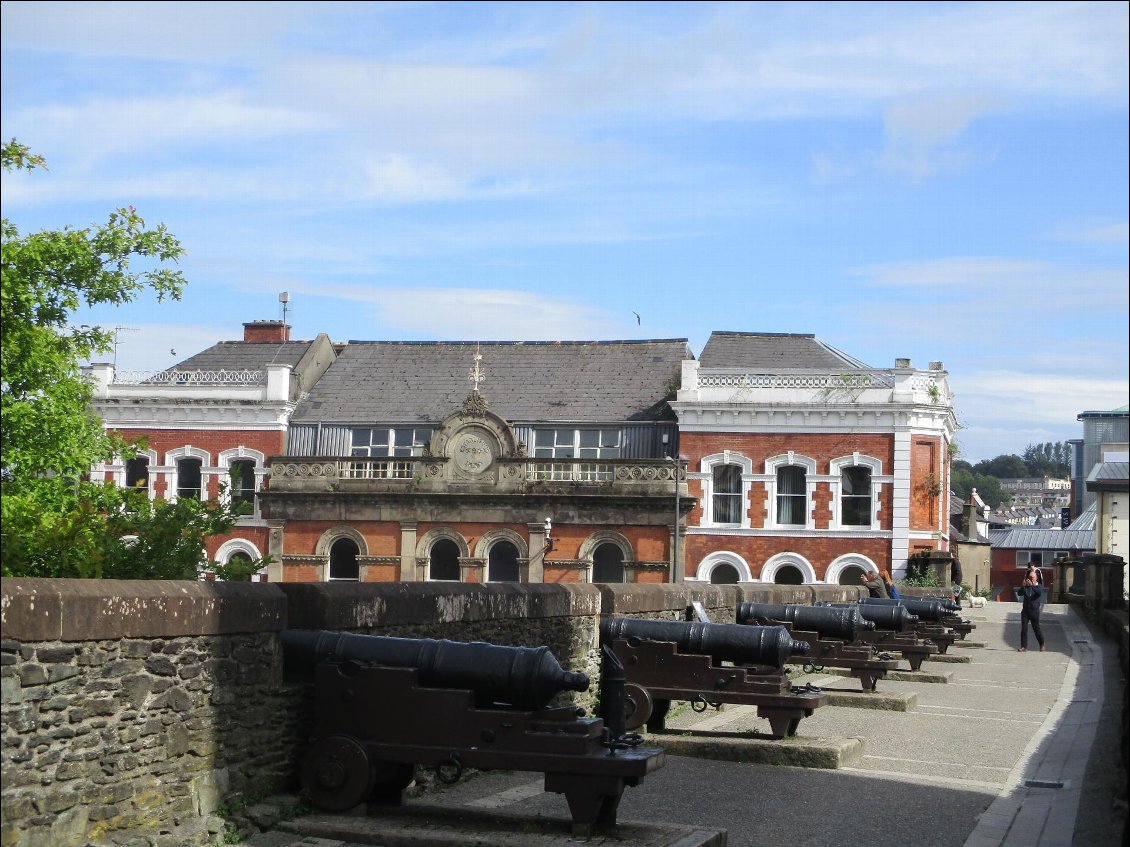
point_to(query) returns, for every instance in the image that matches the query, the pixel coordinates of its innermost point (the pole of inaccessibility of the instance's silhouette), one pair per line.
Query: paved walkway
(996, 756)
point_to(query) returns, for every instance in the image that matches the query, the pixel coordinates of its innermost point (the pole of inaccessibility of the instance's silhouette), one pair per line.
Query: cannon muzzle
(843, 622)
(745, 645)
(926, 609)
(524, 677)
(887, 615)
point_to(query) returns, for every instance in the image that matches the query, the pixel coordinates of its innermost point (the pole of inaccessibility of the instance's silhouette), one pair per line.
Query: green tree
(55, 522)
(1003, 467)
(964, 479)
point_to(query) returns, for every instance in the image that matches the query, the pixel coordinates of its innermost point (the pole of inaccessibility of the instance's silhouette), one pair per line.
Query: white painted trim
(775, 563)
(723, 557)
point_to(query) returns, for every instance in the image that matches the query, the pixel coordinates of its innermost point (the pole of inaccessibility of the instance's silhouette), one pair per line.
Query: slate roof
(245, 355)
(1029, 538)
(1109, 476)
(774, 351)
(401, 382)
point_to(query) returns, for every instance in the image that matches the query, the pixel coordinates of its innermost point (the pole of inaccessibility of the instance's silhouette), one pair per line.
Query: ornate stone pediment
(473, 439)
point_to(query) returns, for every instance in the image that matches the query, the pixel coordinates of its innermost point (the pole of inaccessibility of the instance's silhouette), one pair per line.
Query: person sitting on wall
(874, 585)
(889, 584)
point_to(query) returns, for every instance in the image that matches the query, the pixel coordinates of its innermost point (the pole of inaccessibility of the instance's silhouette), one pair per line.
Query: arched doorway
(608, 563)
(343, 559)
(724, 574)
(443, 560)
(788, 575)
(502, 562)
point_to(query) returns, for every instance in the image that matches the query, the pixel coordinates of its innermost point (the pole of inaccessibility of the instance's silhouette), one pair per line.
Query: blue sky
(933, 181)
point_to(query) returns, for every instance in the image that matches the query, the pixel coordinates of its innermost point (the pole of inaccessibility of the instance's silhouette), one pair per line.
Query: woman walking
(1033, 602)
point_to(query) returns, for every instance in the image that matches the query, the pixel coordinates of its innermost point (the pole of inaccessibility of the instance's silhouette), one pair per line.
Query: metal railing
(174, 377)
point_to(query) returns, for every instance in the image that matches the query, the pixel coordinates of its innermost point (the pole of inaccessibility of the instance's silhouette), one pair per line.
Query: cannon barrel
(888, 615)
(827, 621)
(747, 645)
(524, 677)
(926, 609)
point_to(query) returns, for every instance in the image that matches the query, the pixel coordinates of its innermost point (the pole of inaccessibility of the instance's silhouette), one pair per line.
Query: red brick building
(211, 422)
(807, 465)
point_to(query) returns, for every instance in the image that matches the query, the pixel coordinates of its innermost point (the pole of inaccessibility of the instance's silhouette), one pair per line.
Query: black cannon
(896, 629)
(525, 677)
(384, 705)
(843, 622)
(683, 660)
(828, 631)
(932, 609)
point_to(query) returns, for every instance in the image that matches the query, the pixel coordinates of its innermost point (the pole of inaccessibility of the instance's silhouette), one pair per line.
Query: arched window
(502, 562)
(727, 494)
(242, 473)
(724, 574)
(788, 575)
(137, 473)
(792, 496)
(443, 560)
(852, 575)
(343, 560)
(608, 563)
(855, 496)
(188, 478)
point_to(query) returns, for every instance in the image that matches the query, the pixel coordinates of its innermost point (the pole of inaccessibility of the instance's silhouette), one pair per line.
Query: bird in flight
(637, 314)
(173, 352)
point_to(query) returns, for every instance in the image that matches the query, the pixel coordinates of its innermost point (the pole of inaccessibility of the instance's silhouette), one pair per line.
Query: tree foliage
(963, 479)
(56, 522)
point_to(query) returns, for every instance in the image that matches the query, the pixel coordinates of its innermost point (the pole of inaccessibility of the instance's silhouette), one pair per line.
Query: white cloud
(1116, 232)
(462, 313)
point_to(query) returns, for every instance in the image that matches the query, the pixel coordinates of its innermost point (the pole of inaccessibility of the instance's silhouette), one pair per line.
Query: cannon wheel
(637, 705)
(337, 773)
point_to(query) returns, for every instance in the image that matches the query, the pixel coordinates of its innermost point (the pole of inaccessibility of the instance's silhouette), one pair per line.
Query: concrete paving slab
(423, 825)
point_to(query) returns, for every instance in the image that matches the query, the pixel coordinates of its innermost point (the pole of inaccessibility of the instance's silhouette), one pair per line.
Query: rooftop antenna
(117, 331)
(284, 298)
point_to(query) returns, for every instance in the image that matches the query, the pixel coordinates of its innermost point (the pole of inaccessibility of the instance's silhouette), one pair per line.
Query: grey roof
(774, 351)
(245, 355)
(1088, 520)
(1109, 475)
(398, 382)
(1028, 538)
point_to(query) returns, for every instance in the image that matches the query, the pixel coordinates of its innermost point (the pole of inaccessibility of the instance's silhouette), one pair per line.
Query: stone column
(408, 570)
(275, 550)
(536, 569)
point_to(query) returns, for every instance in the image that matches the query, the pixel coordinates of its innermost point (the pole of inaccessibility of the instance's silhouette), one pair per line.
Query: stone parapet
(93, 609)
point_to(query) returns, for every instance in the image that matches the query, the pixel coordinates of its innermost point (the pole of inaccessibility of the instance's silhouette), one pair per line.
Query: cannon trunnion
(378, 715)
(676, 660)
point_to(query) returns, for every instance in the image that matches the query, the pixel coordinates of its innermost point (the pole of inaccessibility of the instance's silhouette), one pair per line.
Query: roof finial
(477, 374)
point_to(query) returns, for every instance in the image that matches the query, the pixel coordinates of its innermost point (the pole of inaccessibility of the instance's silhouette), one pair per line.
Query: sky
(933, 181)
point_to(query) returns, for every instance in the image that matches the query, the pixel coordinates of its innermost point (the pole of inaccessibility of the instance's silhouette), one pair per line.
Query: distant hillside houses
(1038, 492)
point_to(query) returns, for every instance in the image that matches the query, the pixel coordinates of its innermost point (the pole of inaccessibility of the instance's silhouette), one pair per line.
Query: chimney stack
(275, 331)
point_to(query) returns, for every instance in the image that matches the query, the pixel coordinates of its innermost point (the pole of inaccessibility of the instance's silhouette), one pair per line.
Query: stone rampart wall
(131, 710)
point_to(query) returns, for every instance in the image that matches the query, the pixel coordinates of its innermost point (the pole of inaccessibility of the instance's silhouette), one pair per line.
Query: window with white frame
(242, 472)
(389, 441)
(725, 480)
(137, 473)
(588, 443)
(726, 494)
(792, 495)
(189, 478)
(855, 496)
